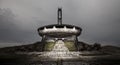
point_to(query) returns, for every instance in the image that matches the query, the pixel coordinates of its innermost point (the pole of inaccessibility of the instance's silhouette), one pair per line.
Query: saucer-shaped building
(65, 32)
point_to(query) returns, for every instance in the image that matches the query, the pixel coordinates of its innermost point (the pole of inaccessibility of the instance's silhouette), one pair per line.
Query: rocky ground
(91, 55)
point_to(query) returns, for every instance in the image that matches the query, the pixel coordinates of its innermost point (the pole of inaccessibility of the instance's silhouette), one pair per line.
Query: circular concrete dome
(59, 30)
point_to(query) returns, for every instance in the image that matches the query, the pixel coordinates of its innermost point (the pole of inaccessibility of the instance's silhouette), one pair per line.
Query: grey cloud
(100, 20)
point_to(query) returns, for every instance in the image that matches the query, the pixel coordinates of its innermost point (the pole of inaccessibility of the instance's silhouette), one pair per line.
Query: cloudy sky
(20, 19)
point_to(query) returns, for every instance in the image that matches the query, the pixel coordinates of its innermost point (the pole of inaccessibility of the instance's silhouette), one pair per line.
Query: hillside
(23, 48)
(82, 46)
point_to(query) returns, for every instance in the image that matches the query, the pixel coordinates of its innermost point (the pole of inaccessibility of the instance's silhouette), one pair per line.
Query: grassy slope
(70, 45)
(49, 46)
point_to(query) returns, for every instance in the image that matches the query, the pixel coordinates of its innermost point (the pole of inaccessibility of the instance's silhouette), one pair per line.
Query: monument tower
(59, 32)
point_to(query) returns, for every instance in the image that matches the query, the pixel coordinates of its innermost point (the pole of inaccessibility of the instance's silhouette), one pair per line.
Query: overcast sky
(20, 19)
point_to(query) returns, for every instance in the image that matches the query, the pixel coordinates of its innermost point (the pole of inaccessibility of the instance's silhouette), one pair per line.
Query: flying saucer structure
(59, 31)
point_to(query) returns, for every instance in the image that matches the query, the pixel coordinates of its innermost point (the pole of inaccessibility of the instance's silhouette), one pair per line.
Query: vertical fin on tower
(59, 16)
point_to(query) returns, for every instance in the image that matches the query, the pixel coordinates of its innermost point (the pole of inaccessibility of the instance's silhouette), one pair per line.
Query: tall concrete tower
(59, 16)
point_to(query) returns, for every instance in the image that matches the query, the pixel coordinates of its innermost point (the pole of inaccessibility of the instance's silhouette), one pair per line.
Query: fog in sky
(20, 19)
